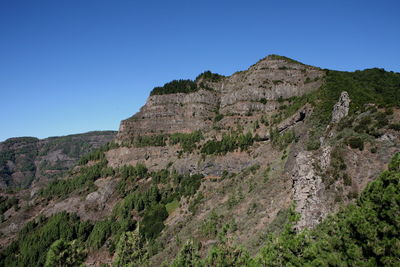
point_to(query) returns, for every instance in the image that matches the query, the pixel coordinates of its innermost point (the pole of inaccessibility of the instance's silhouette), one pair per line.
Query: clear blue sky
(80, 65)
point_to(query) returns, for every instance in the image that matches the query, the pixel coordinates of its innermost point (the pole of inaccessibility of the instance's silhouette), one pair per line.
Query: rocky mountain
(209, 164)
(242, 95)
(27, 160)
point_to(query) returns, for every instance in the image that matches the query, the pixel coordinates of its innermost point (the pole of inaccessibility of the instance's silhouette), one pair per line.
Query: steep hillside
(210, 164)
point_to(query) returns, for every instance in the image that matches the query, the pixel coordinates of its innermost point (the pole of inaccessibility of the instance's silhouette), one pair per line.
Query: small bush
(266, 173)
(194, 204)
(346, 179)
(218, 117)
(355, 142)
(313, 144)
(381, 119)
(172, 206)
(389, 111)
(153, 222)
(281, 140)
(395, 126)
(211, 225)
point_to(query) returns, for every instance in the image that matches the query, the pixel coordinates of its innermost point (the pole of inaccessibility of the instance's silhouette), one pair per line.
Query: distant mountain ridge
(24, 160)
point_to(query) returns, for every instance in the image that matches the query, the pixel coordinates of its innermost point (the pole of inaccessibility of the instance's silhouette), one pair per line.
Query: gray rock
(307, 191)
(341, 108)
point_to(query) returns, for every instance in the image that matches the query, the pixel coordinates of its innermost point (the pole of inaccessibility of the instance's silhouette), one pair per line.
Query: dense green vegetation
(129, 175)
(153, 202)
(131, 250)
(153, 221)
(62, 253)
(22, 151)
(368, 86)
(187, 86)
(97, 154)
(174, 87)
(5, 156)
(228, 143)
(209, 76)
(149, 202)
(82, 182)
(37, 236)
(188, 141)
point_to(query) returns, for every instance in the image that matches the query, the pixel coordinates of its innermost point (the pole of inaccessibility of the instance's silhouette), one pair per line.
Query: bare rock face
(171, 113)
(271, 79)
(341, 108)
(308, 191)
(252, 92)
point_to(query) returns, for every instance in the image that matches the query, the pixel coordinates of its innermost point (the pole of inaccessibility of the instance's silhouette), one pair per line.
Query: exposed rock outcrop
(308, 191)
(341, 108)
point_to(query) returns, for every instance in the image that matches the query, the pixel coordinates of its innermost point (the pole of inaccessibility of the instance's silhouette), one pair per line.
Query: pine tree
(130, 250)
(65, 254)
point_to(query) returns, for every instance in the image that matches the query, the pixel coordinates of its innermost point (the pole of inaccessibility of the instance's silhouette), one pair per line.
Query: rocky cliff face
(171, 113)
(247, 93)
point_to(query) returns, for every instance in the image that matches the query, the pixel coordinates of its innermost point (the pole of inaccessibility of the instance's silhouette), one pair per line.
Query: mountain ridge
(39, 152)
